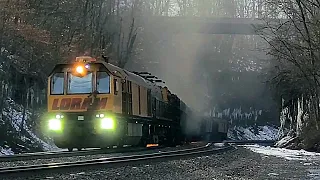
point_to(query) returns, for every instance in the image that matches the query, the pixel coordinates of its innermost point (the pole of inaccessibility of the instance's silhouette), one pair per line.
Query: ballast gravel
(90, 157)
(236, 164)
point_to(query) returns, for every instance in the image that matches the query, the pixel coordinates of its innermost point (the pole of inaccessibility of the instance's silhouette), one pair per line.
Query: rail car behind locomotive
(197, 127)
(96, 104)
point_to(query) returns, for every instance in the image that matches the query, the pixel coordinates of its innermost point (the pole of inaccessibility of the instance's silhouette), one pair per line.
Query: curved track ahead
(57, 154)
(109, 162)
(243, 142)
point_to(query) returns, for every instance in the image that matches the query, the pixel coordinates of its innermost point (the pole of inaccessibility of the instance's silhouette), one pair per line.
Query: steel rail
(107, 162)
(245, 142)
(58, 154)
(61, 154)
(107, 158)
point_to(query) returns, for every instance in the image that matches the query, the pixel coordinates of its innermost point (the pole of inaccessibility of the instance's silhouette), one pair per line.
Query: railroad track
(244, 142)
(58, 154)
(32, 170)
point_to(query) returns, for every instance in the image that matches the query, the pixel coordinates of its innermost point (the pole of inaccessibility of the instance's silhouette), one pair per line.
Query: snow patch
(14, 113)
(288, 154)
(219, 144)
(250, 133)
(6, 151)
(314, 173)
(285, 140)
(273, 174)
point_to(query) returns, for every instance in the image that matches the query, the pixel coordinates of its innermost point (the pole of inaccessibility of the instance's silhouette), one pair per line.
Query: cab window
(57, 83)
(103, 82)
(79, 85)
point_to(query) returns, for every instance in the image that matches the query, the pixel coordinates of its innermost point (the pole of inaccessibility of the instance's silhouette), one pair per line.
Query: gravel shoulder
(237, 164)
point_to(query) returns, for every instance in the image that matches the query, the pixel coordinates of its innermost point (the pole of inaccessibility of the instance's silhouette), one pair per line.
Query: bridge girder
(242, 26)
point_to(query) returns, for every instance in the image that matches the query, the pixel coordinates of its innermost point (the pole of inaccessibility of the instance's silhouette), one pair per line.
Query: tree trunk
(25, 105)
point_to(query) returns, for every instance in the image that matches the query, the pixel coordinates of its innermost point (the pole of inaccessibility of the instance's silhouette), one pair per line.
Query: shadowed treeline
(209, 72)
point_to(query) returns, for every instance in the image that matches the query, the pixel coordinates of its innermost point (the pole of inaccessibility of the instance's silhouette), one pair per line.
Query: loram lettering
(77, 103)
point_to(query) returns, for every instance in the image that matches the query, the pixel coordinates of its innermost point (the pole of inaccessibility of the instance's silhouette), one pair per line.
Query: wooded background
(36, 34)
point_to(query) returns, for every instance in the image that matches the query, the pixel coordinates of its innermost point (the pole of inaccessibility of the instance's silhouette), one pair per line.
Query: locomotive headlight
(80, 69)
(58, 116)
(55, 124)
(99, 115)
(107, 123)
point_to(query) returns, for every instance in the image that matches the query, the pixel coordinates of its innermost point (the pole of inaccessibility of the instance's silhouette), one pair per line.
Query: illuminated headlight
(107, 123)
(100, 115)
(79, 69)
(58, 116)
(55, 124)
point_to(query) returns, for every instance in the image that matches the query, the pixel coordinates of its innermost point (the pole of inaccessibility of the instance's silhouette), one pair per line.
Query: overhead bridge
(244, 26)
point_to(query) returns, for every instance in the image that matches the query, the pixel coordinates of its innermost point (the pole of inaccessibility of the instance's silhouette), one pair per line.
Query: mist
(217, 75)
(192, 66)
(174, 58)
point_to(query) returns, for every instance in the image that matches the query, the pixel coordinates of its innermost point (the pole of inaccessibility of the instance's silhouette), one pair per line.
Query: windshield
(79, 85)
(103, 82)
(57, 82)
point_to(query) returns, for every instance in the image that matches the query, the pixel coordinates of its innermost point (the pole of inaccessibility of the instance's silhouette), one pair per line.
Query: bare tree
(35, 35)
(294, 43)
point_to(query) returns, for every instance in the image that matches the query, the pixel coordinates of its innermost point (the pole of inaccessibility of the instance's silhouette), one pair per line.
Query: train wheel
(70, 149)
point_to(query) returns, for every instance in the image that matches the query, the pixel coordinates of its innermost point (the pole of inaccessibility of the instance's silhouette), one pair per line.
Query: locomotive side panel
(135, 99)
(117, 105)
(143, 101)
(134, 133)
(139, 100)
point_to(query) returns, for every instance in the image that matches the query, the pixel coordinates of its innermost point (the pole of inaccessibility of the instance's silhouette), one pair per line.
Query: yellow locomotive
(92, 103)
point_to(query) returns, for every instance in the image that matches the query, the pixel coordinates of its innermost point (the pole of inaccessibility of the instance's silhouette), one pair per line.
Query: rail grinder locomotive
(92, 103)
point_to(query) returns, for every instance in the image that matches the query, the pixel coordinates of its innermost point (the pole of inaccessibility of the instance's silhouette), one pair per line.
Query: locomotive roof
(115, 70)
(155, 89)
(127, 74)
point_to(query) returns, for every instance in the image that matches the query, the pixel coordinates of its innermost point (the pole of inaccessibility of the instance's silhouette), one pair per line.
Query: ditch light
(55, 124)
(107, 123)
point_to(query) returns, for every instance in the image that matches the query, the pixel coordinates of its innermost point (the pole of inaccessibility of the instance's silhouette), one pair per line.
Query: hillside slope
(250, 133)
(18, 138)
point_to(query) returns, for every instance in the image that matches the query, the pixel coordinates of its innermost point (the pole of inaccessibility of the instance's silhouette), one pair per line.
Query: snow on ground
(249, 133)
(14, 113)
(6, 151)
(284, 153)
(285, 140)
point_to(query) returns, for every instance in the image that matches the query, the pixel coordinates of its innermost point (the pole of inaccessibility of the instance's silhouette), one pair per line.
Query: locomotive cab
(81, 98)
